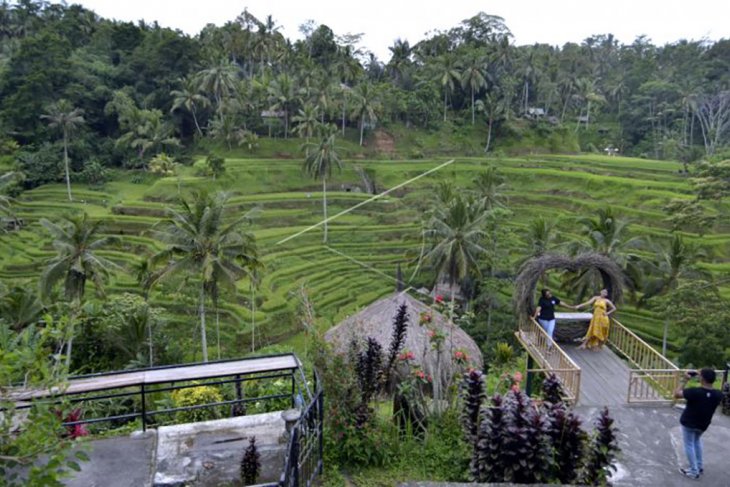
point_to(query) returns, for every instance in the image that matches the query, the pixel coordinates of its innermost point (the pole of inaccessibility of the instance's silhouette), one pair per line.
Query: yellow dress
(598, 329)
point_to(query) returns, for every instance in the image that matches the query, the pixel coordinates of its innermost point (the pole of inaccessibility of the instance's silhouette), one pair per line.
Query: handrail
(654, 377)
(636, 350)
(550, 357)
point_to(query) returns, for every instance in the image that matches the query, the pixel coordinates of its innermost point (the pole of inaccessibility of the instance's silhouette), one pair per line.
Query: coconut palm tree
(283, 96)
(365, 98)
(188, 97)
(489, 188)
(318, 164)
(62, 115)
(473, 78)
(307, 120)
(77, 241)
(5, 200)
(447, 74)
(675, 261)
(607, 234)
(201, 244)
(219, 79)
(455, 234)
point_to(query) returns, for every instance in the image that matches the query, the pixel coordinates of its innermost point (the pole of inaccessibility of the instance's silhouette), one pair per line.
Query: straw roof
(376, 321)
(531, 271)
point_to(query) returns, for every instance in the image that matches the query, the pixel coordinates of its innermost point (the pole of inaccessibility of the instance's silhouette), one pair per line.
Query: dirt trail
(384, 142)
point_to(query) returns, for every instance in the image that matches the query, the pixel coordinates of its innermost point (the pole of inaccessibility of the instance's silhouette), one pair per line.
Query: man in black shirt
(697, 416)
(545, 312)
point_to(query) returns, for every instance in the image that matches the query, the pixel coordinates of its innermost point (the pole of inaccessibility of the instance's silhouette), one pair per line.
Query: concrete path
(204, 454)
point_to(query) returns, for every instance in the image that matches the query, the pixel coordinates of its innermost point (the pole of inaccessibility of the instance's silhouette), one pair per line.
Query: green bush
(197, 396)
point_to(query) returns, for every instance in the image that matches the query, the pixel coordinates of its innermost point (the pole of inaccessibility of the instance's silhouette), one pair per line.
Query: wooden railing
(653, 377)
(550, 357)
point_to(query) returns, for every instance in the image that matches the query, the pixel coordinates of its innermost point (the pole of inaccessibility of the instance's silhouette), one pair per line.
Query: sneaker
(687, 473)
(702, 470)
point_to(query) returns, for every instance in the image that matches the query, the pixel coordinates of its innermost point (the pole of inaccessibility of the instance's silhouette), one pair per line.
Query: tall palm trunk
(324, 206)
(344, 108)
(65, 163)
(472, 106)
(201, 312)
(253, 316)
(362, 127)
(218, 330)
(489, 133)
(195, 119)
(445, 92)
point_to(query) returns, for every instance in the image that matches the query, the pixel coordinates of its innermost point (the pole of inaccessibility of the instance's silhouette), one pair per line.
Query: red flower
(431, 333)
(439, 299)
(429, 378)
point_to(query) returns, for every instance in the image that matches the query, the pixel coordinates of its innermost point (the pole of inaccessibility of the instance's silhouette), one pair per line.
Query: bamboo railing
(550, 357)
(654, 377)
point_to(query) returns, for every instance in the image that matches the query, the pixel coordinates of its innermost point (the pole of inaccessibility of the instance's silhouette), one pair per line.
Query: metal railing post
(144, 408)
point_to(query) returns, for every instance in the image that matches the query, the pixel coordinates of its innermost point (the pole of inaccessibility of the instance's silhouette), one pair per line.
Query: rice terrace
(235, 255)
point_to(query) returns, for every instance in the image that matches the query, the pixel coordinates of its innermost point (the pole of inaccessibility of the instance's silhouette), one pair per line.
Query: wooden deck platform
(604, 376)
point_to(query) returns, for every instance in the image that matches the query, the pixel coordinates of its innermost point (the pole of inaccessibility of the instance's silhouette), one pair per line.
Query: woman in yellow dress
(598, 330)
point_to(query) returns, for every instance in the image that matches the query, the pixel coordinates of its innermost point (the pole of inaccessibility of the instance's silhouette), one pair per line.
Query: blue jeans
(549, 326)
(693, 448)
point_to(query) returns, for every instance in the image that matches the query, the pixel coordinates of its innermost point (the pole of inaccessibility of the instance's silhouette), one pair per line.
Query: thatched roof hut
(531, 271)
(376, 321)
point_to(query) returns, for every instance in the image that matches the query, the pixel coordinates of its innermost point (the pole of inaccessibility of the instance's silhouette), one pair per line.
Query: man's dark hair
(708, 375)
(544, 292)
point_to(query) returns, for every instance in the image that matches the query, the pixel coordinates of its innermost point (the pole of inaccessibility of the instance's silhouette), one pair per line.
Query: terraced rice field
(365, 245)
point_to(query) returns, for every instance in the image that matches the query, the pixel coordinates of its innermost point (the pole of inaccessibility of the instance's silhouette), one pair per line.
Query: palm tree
(5, 180)
(200, 243)
(447, 74)
(20, 306)
(365, 97)
(220, 79)
(318, 164)
(541, 236)
(63, 116)
(307, 120)
(473, 78)
(489, 187)
(675, 261)
(188, 97)
(455, 233)
(77, 242)
(283, 96)
(607, 234)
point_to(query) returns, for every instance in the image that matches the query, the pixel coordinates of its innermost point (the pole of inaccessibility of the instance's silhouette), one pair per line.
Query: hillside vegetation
(365, 246)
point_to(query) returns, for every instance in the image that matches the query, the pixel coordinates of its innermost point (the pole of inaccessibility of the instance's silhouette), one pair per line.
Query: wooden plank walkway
(604, 376)
(167, 374)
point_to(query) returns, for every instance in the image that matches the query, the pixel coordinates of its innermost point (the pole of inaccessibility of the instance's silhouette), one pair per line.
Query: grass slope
(379, 235)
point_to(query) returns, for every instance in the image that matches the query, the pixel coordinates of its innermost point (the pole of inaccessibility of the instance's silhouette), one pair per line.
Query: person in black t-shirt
(545, 311)
(697, 416)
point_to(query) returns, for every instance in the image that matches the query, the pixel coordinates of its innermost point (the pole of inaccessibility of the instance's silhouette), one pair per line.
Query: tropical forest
(236, 198)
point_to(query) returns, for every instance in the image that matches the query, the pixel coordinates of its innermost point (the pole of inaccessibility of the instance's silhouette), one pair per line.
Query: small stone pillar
(290, 417)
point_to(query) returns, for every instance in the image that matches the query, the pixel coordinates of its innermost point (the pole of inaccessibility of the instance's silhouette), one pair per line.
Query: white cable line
(373, 198)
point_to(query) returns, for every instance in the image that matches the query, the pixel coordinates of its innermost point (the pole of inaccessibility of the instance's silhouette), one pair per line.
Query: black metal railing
(304, 455)
(141, 394)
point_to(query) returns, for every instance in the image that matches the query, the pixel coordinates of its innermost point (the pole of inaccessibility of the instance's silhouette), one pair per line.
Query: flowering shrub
(74, 431)
(425, 317)
(406, 356)
(436, 338)
(461, 357)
